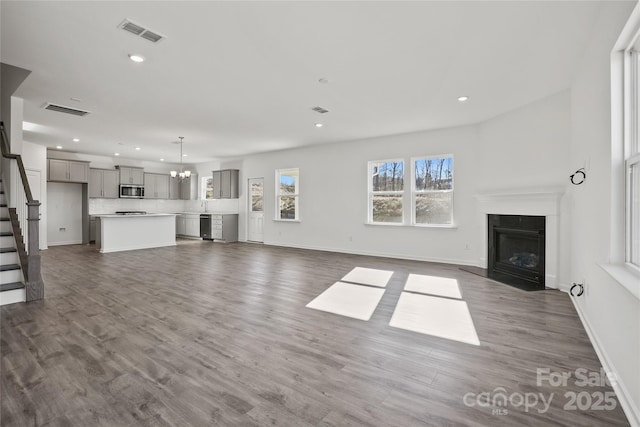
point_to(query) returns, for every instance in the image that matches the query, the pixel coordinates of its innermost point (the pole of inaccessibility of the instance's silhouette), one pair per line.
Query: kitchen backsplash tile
(108, 206)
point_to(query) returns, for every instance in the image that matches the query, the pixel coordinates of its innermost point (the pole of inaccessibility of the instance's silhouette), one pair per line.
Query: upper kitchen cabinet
(156, 186)
(68, 170)
(189, 188)
(103, 183)
(225, 184)
(174, 188)
(130, 175)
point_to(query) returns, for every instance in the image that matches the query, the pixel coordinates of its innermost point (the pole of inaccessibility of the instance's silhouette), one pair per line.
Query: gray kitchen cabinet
(188, 224)
(131, 175)
(192, 225)
(68, 170)
(224, 227)
(225, 183)
(174, 188)
(103, 183)
(92, 229)
(156, 186)
(189, 188)
(181, 226)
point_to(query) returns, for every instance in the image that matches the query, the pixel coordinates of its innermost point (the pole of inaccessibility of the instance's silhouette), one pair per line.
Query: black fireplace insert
(516, 250)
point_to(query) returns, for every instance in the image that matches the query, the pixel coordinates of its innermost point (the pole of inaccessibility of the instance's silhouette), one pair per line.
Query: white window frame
(203, 187)
(279, 173)
(631, 143)
(371, 193)
(415, 192)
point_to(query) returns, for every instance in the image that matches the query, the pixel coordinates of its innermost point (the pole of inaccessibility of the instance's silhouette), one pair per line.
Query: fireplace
(516, 250)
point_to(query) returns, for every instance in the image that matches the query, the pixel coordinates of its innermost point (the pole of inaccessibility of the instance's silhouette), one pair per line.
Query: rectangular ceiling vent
(63, 109)
(320, 110)
(140, 31)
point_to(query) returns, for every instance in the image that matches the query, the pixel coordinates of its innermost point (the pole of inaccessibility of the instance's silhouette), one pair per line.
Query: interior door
(256, 210)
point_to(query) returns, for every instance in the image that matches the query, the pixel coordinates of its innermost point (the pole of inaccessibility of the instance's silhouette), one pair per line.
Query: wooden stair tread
(6, 233)
(7, 250)
(11, 286)
(9, 267)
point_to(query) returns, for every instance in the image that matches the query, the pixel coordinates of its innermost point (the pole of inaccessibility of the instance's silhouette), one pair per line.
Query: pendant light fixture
(182, 174)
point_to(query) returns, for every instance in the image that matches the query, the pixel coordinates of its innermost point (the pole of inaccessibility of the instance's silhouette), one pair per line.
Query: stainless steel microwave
(132, 191)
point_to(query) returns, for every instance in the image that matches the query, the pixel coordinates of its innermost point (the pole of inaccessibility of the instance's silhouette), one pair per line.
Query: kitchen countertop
(132, 216)
(208, 213)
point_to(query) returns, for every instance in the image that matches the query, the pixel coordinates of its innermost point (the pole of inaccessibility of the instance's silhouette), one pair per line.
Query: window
(206, 188)
(428, 201)
(632, 157)
(386, 190)
(287, 194)
(432, 196)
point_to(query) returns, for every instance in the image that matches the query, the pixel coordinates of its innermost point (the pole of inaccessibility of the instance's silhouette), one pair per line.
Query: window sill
(286, 220)
(627, 276)
(391, 224)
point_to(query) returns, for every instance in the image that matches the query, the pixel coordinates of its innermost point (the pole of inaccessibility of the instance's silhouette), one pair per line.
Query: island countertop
(132, 216)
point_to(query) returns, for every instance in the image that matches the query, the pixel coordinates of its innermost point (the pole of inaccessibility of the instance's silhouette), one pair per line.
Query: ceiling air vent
(320, 110)
(63, 109)
(140, 31)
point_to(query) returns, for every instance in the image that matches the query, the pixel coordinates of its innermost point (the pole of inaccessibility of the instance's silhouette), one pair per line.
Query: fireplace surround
(545, 202)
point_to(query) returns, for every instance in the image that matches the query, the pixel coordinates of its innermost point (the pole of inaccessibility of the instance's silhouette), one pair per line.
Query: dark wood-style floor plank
(218, 334)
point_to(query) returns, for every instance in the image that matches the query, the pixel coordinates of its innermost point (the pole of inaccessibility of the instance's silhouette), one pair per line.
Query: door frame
(249, 211)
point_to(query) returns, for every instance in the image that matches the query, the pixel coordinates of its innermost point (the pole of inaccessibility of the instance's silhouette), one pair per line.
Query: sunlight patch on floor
(368, 276)
(346, 299)
(433, 285)
(436, 316)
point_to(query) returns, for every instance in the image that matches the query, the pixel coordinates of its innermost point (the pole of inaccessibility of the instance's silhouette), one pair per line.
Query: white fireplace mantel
(541, 202)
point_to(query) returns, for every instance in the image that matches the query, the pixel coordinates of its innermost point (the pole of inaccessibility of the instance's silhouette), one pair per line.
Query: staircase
(12, 288)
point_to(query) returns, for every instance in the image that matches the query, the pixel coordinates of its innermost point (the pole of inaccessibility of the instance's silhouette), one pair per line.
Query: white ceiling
(236, 78)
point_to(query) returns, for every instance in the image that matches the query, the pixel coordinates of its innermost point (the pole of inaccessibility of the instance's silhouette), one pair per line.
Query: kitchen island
(115, 233)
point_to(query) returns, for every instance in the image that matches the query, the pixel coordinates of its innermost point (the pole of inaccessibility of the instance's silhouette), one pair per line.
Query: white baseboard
(70, 242)
(628, 405)
(376, 254)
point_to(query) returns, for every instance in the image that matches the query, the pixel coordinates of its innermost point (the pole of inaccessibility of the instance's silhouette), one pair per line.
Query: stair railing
(23, 210)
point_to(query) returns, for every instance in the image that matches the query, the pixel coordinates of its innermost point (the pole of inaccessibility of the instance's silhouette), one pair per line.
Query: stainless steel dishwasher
(205, 226)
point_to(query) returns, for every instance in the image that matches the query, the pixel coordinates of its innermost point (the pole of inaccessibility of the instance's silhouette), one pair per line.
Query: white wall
(64, 210)
(610, 313)
(524, 148)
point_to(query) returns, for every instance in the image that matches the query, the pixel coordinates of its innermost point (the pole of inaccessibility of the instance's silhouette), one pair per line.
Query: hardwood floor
(218, 334)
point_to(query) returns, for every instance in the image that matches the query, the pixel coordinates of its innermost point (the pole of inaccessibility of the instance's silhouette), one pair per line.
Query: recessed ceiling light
(59, 147)
(162, 160)
(463, 98)
(136, 58)
(319, 125)
(116, 154)
(184, 155)
(138, 148)
(76, 139)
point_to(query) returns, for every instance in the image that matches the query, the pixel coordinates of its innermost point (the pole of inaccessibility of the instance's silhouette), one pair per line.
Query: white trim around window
(386, 181)
(287, 207)
(441, 193)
